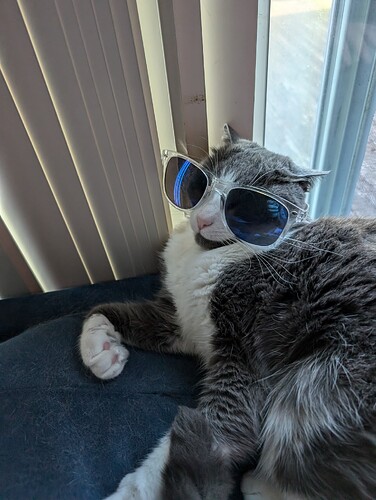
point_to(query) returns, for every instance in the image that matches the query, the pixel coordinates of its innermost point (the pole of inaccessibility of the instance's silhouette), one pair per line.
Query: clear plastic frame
(224, 188)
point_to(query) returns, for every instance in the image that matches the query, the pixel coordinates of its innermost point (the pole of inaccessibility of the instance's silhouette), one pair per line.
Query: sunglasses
(252, 215)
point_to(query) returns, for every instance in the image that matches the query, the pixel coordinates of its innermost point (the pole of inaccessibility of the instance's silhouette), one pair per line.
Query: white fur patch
(192, 273)
(302, 411)
(146, 482)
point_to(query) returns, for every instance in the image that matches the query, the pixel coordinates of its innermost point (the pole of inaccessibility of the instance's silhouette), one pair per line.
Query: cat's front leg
(149, 325)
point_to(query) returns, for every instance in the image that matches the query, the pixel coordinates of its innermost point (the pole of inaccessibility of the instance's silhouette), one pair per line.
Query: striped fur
(287, 338)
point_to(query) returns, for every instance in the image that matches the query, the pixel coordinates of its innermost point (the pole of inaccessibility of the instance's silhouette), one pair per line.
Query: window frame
(346, 109)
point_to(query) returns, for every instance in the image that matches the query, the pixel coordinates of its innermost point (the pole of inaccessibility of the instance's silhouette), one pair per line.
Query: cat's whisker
(272, 270)
(212, 162)
(216, 162)
(270, 257)
(198, 147)
(259, 177)
(292, 261)
(250, 253)
(261, 264)
(254, 179)
(235, 258)
(308, 246)
(249, 250)
(275, 254)
(265, 257)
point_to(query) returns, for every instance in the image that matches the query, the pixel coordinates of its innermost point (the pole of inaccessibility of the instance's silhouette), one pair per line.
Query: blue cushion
(18, 314)
(63, 433)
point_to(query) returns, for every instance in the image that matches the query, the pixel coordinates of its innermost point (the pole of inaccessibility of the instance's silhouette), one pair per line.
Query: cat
(286, 336)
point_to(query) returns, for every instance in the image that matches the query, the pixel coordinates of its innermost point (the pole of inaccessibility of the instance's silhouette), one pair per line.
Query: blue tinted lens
(185, 184)
(254, 217)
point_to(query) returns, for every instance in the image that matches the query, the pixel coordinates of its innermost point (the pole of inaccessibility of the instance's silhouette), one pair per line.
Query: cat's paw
(101, 348)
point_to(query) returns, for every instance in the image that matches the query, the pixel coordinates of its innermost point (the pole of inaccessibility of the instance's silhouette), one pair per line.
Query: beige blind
(79, 159)
(90, 91)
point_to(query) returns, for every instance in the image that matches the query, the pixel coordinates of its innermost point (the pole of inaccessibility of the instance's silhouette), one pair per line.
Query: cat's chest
(192, 274)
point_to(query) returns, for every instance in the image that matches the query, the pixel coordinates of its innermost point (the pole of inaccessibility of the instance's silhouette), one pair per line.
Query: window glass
(297, 43)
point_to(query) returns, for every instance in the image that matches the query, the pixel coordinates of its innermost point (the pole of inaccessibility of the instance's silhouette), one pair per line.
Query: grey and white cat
(287, 338)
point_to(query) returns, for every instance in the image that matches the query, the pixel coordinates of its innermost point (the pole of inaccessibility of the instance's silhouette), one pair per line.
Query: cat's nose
(203, 222)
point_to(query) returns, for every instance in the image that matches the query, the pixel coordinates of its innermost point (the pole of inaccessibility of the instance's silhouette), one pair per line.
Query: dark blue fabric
(18, 314)
(63, 433)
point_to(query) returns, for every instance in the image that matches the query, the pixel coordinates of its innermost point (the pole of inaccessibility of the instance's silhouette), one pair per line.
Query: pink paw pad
(106, 346)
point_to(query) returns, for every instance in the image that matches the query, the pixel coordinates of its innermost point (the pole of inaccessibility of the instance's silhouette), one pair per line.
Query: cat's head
(246, 163)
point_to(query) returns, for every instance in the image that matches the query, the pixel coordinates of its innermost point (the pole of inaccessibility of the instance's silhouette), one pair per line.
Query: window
(321, 95)
(297, 41)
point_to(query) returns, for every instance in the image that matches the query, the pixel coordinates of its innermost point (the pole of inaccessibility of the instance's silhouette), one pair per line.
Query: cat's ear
(307, 177)
(229, 136)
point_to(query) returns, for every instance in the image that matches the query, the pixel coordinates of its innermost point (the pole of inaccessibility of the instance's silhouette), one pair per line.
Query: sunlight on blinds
(83, 201)
(91, 92)
(28, 130)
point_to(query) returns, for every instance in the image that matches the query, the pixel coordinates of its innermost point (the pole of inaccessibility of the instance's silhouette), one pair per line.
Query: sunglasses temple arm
(302, 214)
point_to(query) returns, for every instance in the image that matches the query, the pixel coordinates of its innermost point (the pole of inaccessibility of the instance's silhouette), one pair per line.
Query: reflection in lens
(179, 181)
(254, 217)
(185, 184)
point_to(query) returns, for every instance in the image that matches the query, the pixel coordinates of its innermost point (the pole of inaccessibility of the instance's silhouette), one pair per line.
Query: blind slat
(145, 149)
(104, 58)
(182, 43)
(16, 278)
(86, 57)
(29, 90)
(75, 45)
(28, 206)
(106, 75)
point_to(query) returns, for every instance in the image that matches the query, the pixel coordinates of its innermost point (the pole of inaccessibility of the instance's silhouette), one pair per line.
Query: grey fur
(290, 387)
(196, 468)
(151, 324)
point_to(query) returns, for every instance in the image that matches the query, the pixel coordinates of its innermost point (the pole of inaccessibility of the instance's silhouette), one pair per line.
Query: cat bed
(63, 433)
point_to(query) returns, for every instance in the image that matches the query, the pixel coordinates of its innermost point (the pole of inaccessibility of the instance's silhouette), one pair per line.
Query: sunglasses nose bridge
(219, 186)
(210, 197)
(216, 189)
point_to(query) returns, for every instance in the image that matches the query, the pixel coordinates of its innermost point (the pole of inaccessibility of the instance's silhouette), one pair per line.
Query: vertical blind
(84, 114)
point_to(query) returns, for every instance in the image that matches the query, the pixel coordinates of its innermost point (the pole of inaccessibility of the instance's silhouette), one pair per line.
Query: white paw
(101, 348)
